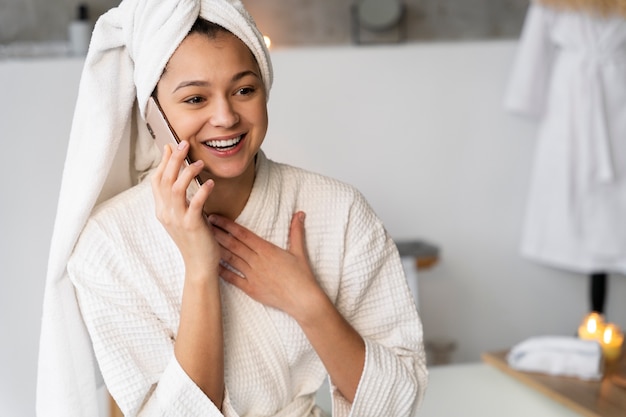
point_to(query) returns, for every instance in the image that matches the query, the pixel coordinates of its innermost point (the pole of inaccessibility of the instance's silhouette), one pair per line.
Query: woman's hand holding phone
(184, 219)
(176, 187)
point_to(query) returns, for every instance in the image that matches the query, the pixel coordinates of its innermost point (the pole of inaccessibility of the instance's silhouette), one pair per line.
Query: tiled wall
(293, 22)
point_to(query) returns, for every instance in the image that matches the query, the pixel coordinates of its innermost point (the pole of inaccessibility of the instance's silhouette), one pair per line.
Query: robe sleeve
(529, 80)
(133, 346)
(375, 298)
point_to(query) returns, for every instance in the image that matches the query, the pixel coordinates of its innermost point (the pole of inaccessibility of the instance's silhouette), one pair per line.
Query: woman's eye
(194, 100)
(245, 91)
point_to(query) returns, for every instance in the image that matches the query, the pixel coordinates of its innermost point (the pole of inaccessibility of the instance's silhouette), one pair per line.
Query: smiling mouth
(224, 145)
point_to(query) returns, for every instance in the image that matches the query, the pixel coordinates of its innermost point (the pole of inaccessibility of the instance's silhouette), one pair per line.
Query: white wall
(421, 131)
(35, 113)
(418, 128)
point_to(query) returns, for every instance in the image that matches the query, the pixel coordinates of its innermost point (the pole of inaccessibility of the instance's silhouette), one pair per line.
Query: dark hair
(205, 27)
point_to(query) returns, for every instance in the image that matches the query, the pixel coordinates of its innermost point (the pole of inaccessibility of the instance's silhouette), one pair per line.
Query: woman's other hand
(278, 278)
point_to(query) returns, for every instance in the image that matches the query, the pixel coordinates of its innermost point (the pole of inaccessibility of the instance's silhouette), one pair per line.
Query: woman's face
(213, 96)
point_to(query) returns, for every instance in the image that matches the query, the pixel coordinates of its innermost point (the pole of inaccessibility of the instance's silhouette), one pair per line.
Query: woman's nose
(223, 114)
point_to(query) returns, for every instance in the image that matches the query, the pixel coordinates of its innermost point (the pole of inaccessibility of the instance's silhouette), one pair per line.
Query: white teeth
(223, 143)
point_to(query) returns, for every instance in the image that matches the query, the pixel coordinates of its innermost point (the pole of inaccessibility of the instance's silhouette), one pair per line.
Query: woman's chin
(226, 173)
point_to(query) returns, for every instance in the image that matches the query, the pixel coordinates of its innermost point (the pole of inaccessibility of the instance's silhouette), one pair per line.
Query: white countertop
(478, 389)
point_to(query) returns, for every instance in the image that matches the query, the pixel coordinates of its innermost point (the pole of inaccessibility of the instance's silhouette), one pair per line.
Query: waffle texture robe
(570, 72)
(129, 277)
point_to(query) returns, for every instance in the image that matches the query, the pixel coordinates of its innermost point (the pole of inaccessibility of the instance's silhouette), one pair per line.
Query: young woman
(241, 299)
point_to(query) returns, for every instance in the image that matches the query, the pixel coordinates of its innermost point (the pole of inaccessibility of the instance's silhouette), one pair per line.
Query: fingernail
(301, 216)
(182, 145)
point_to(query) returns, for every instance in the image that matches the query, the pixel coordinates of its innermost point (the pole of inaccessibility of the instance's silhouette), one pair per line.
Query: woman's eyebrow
(192, 83)
(243, 74)
(202, 83)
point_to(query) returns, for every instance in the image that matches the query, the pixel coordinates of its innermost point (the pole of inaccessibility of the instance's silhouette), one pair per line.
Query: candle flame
(608, 335)
(592, 325)
(268, 41)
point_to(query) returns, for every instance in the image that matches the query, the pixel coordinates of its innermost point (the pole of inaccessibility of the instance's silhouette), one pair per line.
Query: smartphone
(163, 134)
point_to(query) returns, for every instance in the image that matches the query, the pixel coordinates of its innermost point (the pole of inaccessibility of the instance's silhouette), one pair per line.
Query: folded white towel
(129, 49)
(558, 355)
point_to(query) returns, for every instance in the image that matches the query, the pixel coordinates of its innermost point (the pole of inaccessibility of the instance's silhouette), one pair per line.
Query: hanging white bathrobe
(570, 73)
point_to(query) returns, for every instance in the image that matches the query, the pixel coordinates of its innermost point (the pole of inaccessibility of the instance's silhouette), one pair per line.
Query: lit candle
(592, 327)
(612, 339)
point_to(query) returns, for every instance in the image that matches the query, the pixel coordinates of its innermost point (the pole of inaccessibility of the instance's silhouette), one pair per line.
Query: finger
(173, 167)
(233, 278)
(158, 172)
(183, 174)
(233, 252)
(297, 237)
(157, 177)
(185, 178)
(200, 197)
(230, 271)
(237, 233)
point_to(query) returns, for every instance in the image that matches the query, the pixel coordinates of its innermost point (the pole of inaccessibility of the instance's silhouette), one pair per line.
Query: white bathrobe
(570, 72)
(129, 276)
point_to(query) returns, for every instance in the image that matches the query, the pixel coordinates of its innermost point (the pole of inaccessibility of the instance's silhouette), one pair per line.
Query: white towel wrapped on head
(558, 355)
(108, 150)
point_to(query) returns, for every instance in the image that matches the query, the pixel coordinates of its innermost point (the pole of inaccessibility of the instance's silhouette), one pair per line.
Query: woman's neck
(229, 196)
